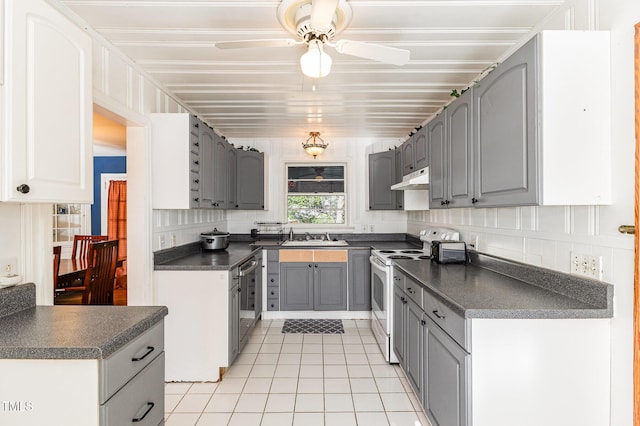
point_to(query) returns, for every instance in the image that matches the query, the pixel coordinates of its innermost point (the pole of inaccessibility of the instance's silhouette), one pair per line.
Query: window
(315, 194)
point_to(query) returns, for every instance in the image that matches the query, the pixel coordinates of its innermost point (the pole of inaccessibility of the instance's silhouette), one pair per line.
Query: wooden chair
(99, 278)
(57, 251)
(101, 274)
(81, 244)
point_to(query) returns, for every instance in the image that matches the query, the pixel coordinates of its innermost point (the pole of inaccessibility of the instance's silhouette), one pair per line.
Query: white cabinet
(46, 106)
(177, 153)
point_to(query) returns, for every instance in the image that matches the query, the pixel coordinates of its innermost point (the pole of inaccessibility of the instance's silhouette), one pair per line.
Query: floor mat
(317, 326)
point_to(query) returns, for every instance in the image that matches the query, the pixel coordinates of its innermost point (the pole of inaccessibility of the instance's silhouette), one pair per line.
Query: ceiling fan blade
(376, 52)
(322, 12)
(241, 44)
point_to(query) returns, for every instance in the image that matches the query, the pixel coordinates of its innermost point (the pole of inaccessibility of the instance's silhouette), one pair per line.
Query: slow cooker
(214, 240)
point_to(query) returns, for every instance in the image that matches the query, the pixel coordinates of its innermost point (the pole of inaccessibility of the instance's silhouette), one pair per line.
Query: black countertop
(476, 292)
(70, 332)
(191, 257)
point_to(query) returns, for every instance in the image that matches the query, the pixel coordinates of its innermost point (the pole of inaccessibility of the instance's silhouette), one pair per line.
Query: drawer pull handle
(437, 314)
(140, 358)
(139, 419)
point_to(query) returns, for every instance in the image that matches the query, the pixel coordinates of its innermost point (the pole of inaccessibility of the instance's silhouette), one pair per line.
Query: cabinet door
(382, 173)
(234, 323)
(445, 378)
(296, 286)
(399, 306)
(506, 136)
(438, 167)
(47, 107)
(408, 157)
(206, 165)
(399, 194)
(421, 149)
(250, 180)
(330, 286)
(413, 350)
(459, 163)
(359, 281)
(220, 172)
(232, 189)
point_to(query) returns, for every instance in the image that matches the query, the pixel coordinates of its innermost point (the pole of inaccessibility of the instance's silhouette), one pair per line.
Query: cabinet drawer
(141, 401)
(399, 280)
(272, 256)
(273, 279)
(273, 305)
(414, 291)
(273, 292)
(452, 323)
(120, 367)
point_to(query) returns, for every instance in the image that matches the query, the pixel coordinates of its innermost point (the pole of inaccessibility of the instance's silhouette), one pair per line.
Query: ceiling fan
(315, 23)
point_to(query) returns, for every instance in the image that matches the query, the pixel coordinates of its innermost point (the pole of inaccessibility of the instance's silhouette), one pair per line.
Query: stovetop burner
(411, 251)
(424, 257)
(387, 251)
(399, 256)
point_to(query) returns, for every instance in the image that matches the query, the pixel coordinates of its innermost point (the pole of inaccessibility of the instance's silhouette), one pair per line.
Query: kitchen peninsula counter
(68, 332)
(490, 287)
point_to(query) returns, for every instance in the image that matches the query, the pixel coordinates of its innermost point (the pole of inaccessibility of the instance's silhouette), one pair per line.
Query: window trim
(346, 193)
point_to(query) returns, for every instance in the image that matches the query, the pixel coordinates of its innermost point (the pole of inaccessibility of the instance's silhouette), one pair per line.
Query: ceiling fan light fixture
(315, 63)
(314, 145)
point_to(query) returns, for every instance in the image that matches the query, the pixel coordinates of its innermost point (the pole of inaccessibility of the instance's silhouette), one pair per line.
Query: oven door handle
(376, 263)
(246, 271)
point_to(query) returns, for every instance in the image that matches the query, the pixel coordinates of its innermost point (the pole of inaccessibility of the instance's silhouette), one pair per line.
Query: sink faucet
(326, 235)
(307, 236)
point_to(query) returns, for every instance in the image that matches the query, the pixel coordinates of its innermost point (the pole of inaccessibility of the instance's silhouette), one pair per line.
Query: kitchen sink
(315, 243)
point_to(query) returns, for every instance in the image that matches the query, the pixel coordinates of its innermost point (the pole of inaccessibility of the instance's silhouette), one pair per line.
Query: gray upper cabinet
(220, 186)
(207, 177)
(382, 174)
(408, 156)
(330, 286)
(250, 182)
(450, 147)
(359, 280)
(420, 149)
(437, 169)
(506, 132)
(232, 177)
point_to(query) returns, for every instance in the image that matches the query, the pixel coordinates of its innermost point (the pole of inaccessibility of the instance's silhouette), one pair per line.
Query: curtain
(117, 215)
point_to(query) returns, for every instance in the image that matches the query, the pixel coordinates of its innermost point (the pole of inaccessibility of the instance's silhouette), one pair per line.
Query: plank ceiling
(261, 92)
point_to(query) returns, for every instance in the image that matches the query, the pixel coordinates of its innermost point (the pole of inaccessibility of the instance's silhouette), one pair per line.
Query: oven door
(379, 289)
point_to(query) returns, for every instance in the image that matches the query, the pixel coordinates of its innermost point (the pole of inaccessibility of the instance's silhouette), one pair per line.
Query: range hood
(414, 180)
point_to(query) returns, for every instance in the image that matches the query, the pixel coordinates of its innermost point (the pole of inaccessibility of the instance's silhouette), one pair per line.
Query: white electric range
(382, 283)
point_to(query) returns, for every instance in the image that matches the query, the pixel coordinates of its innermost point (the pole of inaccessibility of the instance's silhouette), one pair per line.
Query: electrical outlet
(472, 241)
(586, 265)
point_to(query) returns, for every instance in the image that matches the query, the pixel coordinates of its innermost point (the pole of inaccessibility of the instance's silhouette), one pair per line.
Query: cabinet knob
(447, 202)
(196, 181)
(437, 314)
(196, 162)
(273, 306)
(309, 265)
(196, 199)
(196, 144)
(442, 203)
(315, 266)
(272, 280)
(23, 189)
(239, 289)
(196, 125)
(423, 322)
(236, 206)
(474, 200)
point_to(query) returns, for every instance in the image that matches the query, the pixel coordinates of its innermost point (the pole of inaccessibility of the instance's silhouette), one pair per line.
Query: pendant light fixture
(314, 144)
(315, 63)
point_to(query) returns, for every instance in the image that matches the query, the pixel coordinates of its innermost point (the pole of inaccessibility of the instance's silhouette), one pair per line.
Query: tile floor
(301, 379)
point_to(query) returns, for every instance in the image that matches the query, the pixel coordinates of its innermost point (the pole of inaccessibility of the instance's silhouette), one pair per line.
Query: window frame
(345, 193)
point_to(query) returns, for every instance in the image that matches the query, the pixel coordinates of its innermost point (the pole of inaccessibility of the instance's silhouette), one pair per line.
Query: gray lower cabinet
(359, 280)
(234, 321)
(273, 280)
(296, 286)
(132, 381)
(399, 307)
(250, 180)
(436, 366)
(382, 174)
(330, 286)
(445, 377)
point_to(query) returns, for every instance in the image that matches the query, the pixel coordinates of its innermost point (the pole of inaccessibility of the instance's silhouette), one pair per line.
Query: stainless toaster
(448, 251)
